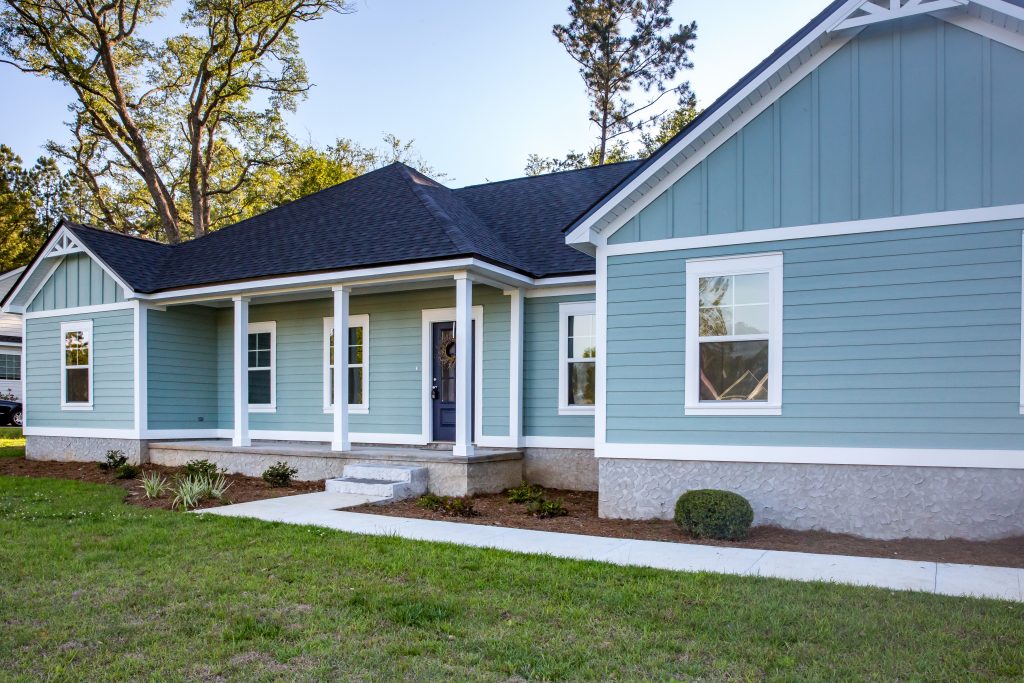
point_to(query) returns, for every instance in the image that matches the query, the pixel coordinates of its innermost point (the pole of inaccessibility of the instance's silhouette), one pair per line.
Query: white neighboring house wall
(10, 337)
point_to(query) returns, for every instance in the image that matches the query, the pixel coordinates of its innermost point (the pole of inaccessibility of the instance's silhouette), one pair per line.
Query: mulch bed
(495, 510)
(243, 489)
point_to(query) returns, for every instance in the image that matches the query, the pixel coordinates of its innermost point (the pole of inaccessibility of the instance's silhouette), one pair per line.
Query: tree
(621, 45)
(31, 204)
(166, 129)
(669, 126)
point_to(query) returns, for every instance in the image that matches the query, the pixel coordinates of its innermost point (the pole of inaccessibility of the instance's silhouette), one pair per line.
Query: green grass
(93, 589)
(12, 443)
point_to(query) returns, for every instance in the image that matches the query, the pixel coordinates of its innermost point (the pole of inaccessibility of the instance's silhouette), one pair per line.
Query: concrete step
(387, 471)
(395, 482)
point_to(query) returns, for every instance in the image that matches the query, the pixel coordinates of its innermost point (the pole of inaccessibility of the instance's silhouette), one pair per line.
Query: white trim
(51, 266)
(496, 442)
(1021, 328)
(240, 356)
(90, 432)
(601, 310)
(572, 442)
(465, 368)
(988, 30)
(209, 433)
(141, 374)
(723, 266)
(390, 439)
(24, 373)
(284, 435)
(898, 9)
(363, 321)
(515, 367)
(574, 290)
(443, 315)
(80, 310)
(565, 311)
(921, 220)
(818, 455)
(261, 328)
(339, 370)
(85, 327)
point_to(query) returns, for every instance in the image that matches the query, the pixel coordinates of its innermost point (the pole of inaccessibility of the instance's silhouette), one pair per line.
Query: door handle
(433, 393)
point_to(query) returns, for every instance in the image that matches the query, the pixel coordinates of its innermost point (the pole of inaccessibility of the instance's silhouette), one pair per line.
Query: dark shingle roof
(389, 216)
(10, 339)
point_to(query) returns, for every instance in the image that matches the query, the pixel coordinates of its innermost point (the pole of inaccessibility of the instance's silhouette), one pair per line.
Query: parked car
(10, 413)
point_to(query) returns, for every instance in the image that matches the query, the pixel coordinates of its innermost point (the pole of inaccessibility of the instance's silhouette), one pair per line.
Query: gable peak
(876, 11)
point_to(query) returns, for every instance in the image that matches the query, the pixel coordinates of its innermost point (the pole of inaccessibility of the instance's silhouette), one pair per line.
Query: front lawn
(12, 443)
(92, 589)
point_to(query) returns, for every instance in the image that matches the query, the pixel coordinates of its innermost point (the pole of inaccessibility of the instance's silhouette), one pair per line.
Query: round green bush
(709, 513)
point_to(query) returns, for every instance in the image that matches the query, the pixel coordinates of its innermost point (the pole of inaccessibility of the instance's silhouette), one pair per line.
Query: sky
(478, 84)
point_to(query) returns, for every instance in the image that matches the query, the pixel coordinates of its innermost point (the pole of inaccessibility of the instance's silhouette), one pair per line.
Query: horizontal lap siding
(113, 379)
(77, 281)
(540, 373)
(182, 371)
(902, 120)
(907, 339)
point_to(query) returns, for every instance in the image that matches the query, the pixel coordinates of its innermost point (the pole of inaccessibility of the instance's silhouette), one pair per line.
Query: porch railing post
(240, 436)
(515, 399)
(463, 365)
(340, 439)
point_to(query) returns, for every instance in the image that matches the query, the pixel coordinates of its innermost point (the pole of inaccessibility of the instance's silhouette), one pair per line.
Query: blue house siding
(77, 281)
(540, 372)
(899, 121)
(113, 379)
(182, 372)
(903, 339)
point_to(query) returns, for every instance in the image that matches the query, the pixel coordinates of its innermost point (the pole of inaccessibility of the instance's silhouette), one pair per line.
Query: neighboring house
(10, 341)
(811, 296)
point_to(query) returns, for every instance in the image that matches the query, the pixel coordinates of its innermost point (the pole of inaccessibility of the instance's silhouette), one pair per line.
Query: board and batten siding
(77, 281)
(903, 339)
(182, 372)
(113, 371)
(540, 372)
(911, 116)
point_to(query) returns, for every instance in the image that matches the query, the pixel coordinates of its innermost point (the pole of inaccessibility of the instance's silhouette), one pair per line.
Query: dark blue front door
(442, 390)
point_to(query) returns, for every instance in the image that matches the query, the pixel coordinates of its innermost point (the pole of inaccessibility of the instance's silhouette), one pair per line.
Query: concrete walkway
(322, 509)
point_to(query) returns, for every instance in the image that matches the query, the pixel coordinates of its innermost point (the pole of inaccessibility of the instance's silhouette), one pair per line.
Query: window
(262, 366)
(734, 335)
(10, 366)
(358, 363)
(76, 360)
(577, 375)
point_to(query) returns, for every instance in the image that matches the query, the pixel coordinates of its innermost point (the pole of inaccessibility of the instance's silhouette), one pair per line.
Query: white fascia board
(584, 232)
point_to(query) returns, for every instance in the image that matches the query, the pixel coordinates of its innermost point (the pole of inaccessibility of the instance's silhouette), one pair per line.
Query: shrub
(279, 474)
(154, 485)
(115, 459)
(219, 486)
(525, 493)
(709, 513)
(127, 471)
(189, 491)
(203, 468)
(449, 506)
(544, 508)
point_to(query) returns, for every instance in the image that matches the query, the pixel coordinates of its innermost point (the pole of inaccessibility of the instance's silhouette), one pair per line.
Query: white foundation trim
(90, 432)
(814, 455)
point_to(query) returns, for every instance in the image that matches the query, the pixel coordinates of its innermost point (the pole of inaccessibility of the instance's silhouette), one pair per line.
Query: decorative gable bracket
(876, 11)
(64, 244)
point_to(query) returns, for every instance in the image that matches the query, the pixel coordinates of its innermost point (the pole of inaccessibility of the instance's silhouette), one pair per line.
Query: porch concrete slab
(326, 510)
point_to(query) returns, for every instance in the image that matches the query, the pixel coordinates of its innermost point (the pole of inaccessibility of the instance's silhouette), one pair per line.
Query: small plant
(127, 471)
(203, 468)
(545, 509)
(154, 485)
(279, 474)
(525, 493)
(449, 506)
(219, 486)
(710, 513)
(115, 459)
(189, 491)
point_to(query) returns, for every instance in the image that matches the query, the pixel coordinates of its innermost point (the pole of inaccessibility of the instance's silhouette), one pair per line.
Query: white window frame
(770, 263)
(565, 311)
(362, 321)
(85, 327)
(256, 328)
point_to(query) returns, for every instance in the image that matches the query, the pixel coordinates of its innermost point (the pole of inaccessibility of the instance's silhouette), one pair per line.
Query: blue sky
(479, 84)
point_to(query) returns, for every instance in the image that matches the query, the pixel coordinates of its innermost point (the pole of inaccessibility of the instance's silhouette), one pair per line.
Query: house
(10, 342)
(810, 296)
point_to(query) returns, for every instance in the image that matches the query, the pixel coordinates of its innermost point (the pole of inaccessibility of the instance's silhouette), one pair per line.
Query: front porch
(487, 470)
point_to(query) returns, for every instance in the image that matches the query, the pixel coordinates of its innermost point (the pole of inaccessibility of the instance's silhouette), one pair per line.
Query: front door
(442, 388)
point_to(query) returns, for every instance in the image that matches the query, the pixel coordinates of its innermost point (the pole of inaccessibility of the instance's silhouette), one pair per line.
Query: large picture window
(262, 354)
(358, 363)
(577, 376)
(10, 366)
(76, 365)
(734, 335)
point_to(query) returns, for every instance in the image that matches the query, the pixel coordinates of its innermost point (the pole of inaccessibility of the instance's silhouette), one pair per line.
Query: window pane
(715, 322)
(355, 348)
(715, 291)
(581, 384)
(253, 359)
(76, 385)
(734, 371)
(331, 348)
(581, 337)
(355, 336)
(263, 359)
(750, 319)
(751, 288)
(355, 385)
(76, 349)
(259, 387)
(259, 341)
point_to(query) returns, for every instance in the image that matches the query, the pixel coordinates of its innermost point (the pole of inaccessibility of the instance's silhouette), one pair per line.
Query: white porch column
(240, 437)
(463, 365)
(515, 383)
(340, 440)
